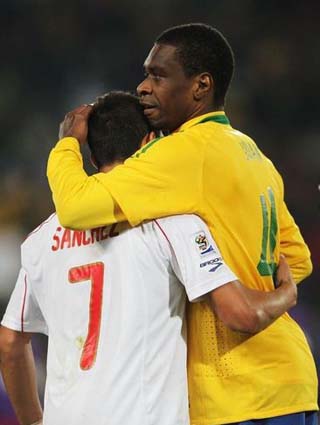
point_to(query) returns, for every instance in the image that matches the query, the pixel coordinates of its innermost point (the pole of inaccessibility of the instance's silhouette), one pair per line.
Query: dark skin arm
(250, 311)
(19, 376)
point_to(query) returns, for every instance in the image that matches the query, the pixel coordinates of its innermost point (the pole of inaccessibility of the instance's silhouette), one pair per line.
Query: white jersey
(112, 301)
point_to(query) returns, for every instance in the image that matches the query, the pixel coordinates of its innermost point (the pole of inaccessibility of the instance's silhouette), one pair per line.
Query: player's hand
(39, 422)
(284, 277)
(75, 124)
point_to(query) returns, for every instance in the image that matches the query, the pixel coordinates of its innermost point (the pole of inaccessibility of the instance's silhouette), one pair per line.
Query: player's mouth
(148, 108)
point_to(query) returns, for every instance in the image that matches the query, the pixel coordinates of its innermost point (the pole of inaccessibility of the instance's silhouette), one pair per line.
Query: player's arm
(20, 320)
(205, 275)
(84, 201)
(247, 310)
(81, 201)
(293, 246)
(18, 372)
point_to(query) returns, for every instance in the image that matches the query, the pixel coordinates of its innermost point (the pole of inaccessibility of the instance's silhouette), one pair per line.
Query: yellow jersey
(212, 170)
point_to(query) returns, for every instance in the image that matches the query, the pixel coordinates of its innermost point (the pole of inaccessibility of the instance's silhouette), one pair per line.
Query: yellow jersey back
(233, 376)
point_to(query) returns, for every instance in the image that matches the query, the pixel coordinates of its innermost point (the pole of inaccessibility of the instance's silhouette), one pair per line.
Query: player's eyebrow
(154, 69)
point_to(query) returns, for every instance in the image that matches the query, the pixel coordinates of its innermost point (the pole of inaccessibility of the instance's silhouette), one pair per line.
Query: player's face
(166, 93)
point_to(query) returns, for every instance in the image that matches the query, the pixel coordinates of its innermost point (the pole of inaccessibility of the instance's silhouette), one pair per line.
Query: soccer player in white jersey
(112, 302)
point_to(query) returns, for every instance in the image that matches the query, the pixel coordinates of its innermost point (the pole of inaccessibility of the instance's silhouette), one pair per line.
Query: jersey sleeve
(81, 202)
(161, 179)
(292, 244)
(23, 312)
(293, 247)
(195, 257)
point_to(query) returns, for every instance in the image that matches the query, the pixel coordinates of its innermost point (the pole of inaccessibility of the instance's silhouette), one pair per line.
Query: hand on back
(284, 277)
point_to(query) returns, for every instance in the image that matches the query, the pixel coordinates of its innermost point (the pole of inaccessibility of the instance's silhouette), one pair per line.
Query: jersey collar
(218, 117)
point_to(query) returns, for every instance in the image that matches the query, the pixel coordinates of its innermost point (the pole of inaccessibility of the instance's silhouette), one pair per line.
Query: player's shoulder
(168, 147)
(42, 229)
(187, 232)
(35, 245)
(182, 222)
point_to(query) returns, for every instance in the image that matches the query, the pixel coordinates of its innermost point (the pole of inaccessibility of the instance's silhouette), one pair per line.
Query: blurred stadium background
(57, 55)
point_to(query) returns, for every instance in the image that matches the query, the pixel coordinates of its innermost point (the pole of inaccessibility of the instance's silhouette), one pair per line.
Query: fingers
(283, 272)
(75, 124)
(83, 110)
(152, 135)
(283, 267)
(283, 261)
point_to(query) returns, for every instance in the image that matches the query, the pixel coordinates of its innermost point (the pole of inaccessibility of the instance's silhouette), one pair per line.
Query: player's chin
(155, 122)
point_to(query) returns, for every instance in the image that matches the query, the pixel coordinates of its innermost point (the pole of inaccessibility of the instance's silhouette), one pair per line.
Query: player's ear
(93, 162)
(203, 85)
(148, 137)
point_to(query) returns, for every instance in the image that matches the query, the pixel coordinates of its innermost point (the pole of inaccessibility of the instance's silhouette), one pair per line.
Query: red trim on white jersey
(23, 302)
(163, 232)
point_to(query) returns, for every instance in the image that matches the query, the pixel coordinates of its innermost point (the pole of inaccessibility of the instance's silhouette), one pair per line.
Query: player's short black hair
(202, 48)
(116, 127)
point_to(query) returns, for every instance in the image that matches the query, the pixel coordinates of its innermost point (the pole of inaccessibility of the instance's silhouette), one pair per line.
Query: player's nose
(144, 88)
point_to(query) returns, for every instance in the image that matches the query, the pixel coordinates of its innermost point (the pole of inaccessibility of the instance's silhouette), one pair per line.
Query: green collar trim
(146, 147)
(221, 119)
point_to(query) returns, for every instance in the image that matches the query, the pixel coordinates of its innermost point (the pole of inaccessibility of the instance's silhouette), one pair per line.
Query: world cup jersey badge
(203, 245)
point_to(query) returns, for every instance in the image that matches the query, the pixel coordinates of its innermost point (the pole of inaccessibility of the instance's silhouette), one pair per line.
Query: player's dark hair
(116, 127)
(202, 48)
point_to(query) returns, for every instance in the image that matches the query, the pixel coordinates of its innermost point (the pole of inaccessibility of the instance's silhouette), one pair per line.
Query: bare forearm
(248, 310)
(269, 306)
(18, 372)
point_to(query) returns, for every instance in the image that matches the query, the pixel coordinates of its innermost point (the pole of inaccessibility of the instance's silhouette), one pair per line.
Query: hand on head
(75, 124)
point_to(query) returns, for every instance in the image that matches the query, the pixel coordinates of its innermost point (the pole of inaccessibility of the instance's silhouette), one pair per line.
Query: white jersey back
(113, 308)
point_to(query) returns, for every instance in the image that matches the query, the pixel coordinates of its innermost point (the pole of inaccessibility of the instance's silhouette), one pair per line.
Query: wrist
(289, 291)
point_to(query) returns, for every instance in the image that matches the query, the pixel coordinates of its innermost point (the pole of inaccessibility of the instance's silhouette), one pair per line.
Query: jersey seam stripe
(164, 233)
(23, 303)
(167, 238)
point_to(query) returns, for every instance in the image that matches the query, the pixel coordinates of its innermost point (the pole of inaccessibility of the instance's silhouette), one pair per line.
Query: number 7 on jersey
(93, 272)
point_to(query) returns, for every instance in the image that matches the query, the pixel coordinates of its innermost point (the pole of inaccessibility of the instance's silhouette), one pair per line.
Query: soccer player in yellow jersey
(206, 167)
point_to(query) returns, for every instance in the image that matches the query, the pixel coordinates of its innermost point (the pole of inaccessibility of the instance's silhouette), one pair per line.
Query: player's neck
(204, 108)
(109, 167)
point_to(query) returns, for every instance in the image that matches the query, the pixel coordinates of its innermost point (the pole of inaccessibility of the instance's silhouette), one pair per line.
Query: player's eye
(156, 77)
